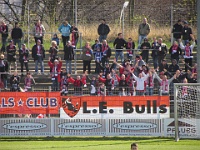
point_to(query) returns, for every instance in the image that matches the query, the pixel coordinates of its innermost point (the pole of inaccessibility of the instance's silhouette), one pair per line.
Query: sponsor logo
(135, 126)
(184, 128)
(79, 126)
(71, 106)
(24, 126)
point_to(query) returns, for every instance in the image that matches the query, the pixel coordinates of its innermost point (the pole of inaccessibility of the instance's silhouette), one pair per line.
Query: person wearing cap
(38, 31)
(65, 29)
(55, 38)
(17, 35)
(96, 46)
(143, 31)
(38, 54)
(103, 30)
(55, 73)
(3, 71)
(69, 56)
(186, 33)
(11, 55)
(188, 51)
(75, 35)
(4, 35)
(145, 50)
(177, 30)
(23, 58)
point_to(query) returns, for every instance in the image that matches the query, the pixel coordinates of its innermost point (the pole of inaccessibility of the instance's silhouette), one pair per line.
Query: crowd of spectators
(132, 75)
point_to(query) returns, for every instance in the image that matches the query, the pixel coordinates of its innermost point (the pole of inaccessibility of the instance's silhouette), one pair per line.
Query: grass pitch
(95, 143)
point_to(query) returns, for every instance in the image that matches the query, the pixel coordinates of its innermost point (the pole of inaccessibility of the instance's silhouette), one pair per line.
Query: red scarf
(39, 49)
(164, 85)
(24, 50)
(73, 38)
(28, 82)
(130, 47)
(184, 91)
(194, 70)
(174, 48)
(149, 82)
(55, 70)
(3, 27)
(104, 47)
(187, 51)
(11, 46)
(38, 29)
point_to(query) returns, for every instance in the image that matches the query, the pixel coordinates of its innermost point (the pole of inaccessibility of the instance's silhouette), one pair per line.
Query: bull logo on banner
(71, 106)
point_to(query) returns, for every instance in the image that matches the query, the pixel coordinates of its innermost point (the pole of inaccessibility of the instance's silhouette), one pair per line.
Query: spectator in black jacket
(162, 50)
(38, 54)
(14, 82)
(119, 44)
(173, 67)
(130, 46)
(177, 30)
(145, 50)
(175, 52)
(23, 58)
(11, 55)
(103, 30)
(17, 34)
(186, 33)
(75, 35)
(69, 56)
(163, 66)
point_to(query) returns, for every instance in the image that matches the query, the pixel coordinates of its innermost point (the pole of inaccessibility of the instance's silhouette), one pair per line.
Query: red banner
(29, 102)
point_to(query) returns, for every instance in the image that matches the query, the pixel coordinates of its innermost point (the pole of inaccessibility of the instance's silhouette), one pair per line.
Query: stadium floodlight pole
(198, 39)
(172, 18)
(122, 16)
(27, 2)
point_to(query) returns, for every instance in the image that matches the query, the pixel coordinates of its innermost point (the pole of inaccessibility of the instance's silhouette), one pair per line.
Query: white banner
(188, 128)
(81, 127)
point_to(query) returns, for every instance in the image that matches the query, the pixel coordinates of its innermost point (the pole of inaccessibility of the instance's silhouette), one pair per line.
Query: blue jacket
(65, 29)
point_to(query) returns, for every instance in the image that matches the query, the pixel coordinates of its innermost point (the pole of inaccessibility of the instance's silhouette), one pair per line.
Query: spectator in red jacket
(78, 84)
(55, 73)
(109, 83)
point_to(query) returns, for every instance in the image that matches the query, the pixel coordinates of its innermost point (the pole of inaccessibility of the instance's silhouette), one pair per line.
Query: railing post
(75, 59)
(80, 40)
(49, 91)
(104, 90)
